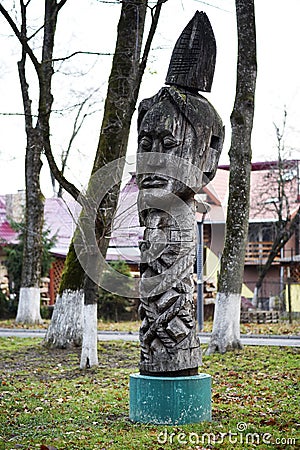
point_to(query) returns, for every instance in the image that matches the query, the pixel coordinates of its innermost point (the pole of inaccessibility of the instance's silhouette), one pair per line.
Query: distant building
(61, 216)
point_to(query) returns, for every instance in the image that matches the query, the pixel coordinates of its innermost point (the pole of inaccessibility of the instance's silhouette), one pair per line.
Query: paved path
(281, 341)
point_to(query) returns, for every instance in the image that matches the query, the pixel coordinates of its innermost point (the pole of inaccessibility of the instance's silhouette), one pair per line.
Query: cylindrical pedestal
(170, 400)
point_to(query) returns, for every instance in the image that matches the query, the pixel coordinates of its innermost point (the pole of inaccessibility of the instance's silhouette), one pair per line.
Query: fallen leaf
(47, 447)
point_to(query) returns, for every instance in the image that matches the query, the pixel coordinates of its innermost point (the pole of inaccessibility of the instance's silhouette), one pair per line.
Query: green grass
(46, 399)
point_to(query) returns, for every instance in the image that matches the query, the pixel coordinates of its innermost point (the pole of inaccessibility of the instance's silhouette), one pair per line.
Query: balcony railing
(258, 252)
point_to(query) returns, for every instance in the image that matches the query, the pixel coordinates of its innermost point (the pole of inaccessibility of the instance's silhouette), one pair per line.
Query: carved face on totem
(164, 131)
(173, 124)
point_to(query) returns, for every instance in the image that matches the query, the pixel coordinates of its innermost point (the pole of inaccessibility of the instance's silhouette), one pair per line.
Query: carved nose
(156, 159)
(157, 146)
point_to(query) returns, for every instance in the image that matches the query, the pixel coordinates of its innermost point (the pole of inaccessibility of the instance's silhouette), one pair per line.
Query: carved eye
(169, 142)
(146, 143)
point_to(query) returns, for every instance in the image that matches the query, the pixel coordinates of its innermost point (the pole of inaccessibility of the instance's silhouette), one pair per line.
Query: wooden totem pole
(180, 137)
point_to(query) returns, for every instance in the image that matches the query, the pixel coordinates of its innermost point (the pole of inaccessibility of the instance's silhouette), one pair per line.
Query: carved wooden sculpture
(180, 139)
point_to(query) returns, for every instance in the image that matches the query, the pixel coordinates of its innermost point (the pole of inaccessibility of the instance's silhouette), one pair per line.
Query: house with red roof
(263, 217)
(60, 218)
(275, 195)
(262, 226)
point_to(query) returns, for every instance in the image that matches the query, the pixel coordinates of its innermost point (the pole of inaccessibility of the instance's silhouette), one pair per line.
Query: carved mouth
(154, 181)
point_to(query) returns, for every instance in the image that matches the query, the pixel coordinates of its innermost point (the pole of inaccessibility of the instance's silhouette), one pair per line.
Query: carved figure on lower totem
(180, 137)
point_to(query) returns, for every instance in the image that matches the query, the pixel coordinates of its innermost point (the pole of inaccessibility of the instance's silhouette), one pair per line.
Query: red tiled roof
(264, 195)
(126, 229)
(7, 234)
(60, 218)
(265, 165)
(264, 187)
(218, 187)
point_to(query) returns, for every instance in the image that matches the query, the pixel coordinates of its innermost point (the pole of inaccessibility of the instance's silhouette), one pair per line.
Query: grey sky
(93, 28)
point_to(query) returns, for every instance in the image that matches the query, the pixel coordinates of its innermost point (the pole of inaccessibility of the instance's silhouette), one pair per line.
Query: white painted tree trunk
(89, 355)
(226, 328)
(65, 329)
(29, 306)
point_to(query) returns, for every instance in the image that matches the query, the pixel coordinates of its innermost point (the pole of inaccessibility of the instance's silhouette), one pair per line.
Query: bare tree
(123, 88)
(278, 195)
(226, 327)
(84, 109)
(35, 123)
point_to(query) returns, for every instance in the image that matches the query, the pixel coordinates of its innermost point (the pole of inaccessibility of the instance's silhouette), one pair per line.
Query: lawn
(47, 401)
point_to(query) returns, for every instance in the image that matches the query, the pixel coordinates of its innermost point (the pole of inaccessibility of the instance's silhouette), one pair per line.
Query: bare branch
(22, 72)
(213, 6)
(81, 53)
(21, 39)
(15, 114)
(69, 187)
(155, 18)
(76, 128)
(35, 33)
(61, 4)
(284, 183)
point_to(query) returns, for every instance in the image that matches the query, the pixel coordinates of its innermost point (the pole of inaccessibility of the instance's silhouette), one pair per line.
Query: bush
(112, 306)
(46, 312)
(14, 256)
(8, 307)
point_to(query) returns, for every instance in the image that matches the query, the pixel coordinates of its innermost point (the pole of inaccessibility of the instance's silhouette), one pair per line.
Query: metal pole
(200, 306)
(289, 295)
(203, 208)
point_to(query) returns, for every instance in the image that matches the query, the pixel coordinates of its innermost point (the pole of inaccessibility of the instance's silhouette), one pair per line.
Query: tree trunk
(29, 298)
(65, 329)
(89, 355)
(226, 327)
(123, 88)
(66, 325)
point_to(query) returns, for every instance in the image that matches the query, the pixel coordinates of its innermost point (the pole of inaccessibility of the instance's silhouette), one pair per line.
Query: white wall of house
(217, 238)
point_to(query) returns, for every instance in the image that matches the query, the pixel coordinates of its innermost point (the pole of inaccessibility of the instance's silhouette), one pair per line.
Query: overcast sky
(93, 28)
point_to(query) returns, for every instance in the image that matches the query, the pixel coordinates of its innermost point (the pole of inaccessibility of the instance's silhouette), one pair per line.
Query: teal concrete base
(170, 400)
